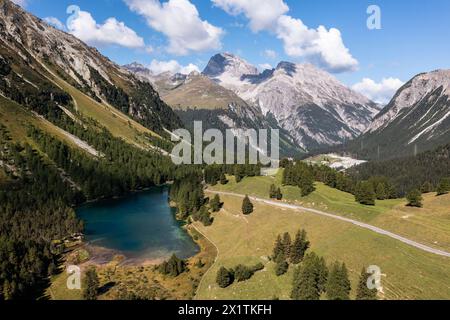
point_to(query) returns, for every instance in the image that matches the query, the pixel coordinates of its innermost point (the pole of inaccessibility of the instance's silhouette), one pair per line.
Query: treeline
(424, 171)
(215, 174)
(377, 180)
(118, 170)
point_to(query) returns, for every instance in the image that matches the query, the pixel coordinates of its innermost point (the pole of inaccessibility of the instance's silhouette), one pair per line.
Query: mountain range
(49, 72)
(417, 119)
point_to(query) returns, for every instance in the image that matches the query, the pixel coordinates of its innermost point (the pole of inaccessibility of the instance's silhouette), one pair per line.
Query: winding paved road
(332, 216)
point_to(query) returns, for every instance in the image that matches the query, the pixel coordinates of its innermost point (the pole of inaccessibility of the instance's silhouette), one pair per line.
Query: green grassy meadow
(429, 225)
(409, 273)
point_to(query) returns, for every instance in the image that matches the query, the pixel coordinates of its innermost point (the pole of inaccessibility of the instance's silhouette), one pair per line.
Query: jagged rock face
(315, 108)
(417, 119)
(39, 45)
(196, 97)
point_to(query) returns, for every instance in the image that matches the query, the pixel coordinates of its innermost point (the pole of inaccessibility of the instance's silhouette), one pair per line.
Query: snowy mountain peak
(310, 103)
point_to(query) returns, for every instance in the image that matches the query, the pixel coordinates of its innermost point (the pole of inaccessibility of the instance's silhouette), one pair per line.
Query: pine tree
(443, 187)
(381, 192)
(223, 179)
(224, 277)
(278, 250)
(338, 285)
(215, 204)
(90, 284)
(247, 206)
(365, 194)
(414, 198)
(427, 187)
(281, 268)
(299, 247)
(310, 278)
(363, 292)
(287, 243)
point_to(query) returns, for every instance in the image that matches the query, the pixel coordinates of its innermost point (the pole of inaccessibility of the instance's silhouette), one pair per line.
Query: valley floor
(409, 273)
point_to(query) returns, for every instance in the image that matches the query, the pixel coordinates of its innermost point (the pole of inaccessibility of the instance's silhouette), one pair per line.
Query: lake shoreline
(103, 252)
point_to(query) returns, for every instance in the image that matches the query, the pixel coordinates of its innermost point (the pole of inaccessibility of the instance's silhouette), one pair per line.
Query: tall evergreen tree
(247, 206)
(299, 247)
(310, 278)
(278, 250)
(363, 292)
(443, 187)
(90, 284)
(338, 285)
(224, 277)
(365, 194)
(287, 243)
(415, 198)
(215, 204)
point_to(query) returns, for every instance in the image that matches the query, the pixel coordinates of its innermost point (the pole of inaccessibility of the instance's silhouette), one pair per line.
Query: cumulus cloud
(262, 14)
(270, 54)
(171, 66)
(180, 21)
(381, 92)
(83, 26)
(55, 22)
(320, 46)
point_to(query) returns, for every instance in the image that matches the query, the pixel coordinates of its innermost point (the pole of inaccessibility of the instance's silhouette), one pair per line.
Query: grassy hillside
(409, 272)
(17, 119)
(119, 124)
(429, 225)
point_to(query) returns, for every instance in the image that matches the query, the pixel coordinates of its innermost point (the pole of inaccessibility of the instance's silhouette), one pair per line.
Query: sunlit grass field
(409, 273)
(429, 225)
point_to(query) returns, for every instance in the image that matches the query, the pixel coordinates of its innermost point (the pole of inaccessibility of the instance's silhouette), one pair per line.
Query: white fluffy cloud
(84, 27)
(180, 21)
(320, 46)
(55, 22)
(172, 66)
(381, 92)
(262, 14)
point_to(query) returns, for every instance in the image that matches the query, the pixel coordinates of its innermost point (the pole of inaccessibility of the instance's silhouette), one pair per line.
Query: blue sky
(413, 39)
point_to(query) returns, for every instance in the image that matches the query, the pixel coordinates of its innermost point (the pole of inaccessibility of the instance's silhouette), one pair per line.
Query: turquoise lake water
(141, 225)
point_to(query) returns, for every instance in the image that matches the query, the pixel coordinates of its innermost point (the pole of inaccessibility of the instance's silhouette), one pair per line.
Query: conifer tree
(338, 285)
(427, 187)
(224, 277)
(278, 250)
(443, 187)
(281, 268)
(247, 206)
(287, 243)
(365, 194)
(310, 278)
(414, 198)
(299, 247)
(363, 292)
(223, 179)
(90, 284)
(215, 204)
